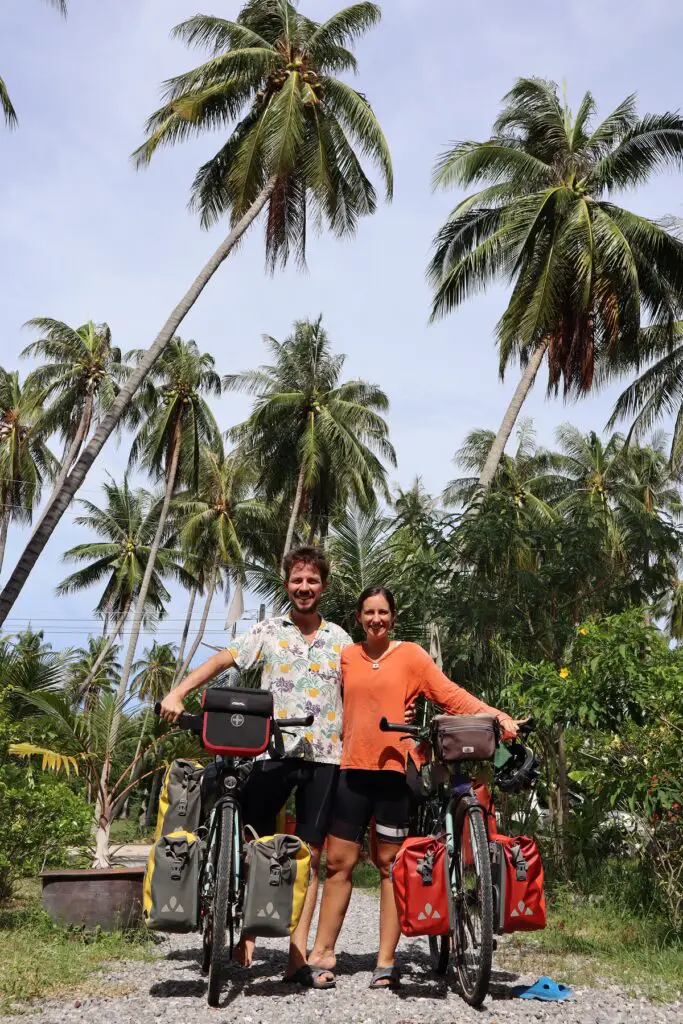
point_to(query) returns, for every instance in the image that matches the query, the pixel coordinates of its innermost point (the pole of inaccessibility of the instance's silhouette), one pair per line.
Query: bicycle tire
(473, 953)
(439, 953)
(221, 901)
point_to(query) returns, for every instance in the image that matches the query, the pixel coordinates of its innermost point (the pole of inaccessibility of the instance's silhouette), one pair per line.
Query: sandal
(309, 977)
(390, 974)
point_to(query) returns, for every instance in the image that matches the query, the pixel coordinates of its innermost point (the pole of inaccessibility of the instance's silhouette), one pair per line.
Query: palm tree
(360, 556)
(178, 422)
(658, 391)
(5, 102)
(522, 476)
(93, 670)
(295, 143)
(25, 459)
(127, 524)
(583, 270)
(307, 426)
(78, 380)
(154, 673)
(222, 524)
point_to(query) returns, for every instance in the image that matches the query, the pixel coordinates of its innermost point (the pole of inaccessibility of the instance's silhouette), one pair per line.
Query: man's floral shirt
(303, 679)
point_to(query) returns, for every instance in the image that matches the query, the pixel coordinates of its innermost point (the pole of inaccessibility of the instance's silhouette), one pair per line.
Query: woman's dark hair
(374, 592)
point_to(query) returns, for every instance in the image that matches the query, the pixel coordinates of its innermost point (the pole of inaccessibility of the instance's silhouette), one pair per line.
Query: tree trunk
(146, 580)
(202, 625)
(154, 792)
(138, 764)
(183, 639)
(510, 418)
(69, 459)
(110, 420)
(120, 622)
(4, 527)
(295, 512)
(563, 802)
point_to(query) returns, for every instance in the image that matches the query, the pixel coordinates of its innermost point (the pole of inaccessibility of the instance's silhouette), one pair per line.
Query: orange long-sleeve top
(402, 675)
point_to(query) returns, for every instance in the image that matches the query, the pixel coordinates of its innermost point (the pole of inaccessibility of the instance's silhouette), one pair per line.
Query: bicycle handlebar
(194, 723)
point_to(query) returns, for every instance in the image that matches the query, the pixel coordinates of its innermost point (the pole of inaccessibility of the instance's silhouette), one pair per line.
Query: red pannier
(517, 875)
(419, 877)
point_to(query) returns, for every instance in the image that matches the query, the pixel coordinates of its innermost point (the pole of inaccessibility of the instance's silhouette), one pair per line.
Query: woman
(380, 677)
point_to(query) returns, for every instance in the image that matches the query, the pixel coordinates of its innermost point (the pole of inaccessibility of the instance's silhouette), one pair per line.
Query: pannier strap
(178, 855)
(518, 862)
(280, 871)
(425, 868)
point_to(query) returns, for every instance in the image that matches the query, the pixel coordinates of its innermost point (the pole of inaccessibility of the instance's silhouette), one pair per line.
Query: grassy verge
(39, 959)
(128, 831)
(594, 945)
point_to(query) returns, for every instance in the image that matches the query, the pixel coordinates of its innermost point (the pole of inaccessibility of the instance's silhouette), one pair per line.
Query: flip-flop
(392, 974)
(309, 976)
(545, 988)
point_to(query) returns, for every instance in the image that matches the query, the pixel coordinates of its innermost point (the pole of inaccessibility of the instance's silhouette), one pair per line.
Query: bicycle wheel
(473, 896)
(220, 905)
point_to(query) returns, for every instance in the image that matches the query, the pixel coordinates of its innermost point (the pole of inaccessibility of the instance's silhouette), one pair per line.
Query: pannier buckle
(425, 868)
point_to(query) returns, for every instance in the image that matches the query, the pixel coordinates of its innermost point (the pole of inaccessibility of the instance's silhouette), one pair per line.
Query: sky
(84, 236)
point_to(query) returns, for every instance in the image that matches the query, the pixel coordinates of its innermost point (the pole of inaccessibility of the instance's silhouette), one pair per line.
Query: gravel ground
(172, 989)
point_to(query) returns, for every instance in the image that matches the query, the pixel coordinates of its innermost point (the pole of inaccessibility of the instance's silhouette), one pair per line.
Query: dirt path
(172, 989)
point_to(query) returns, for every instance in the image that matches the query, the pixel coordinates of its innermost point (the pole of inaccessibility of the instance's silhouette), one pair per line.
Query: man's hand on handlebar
(171, 707)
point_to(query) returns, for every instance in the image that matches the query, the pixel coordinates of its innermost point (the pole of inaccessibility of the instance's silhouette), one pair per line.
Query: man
(300, 656)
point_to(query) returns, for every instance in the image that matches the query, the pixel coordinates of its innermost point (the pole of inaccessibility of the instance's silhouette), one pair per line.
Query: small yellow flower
(282, 713)
(583, 631)
(331, 715)
(333, 664)
(334, 737)
(313, 692)
(284, 668)
(336, 648)
(564, 672)
(232, 651)
(315, 667)
(309, 736)
(284, 643)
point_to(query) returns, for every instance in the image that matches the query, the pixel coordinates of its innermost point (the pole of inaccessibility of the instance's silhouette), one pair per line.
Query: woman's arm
(454, 699)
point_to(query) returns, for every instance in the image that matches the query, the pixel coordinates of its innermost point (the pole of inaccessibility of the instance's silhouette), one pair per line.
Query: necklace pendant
(375, 664)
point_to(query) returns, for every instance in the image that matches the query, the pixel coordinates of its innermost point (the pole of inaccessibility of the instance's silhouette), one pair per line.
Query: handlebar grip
(192, 723)
(410, 730)
(289, 723)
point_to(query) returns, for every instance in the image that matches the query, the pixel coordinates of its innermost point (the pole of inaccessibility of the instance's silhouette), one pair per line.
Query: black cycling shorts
(270, 785)
(363, 795)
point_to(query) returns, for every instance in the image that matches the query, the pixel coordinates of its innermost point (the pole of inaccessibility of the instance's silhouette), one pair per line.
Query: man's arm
(172, 704)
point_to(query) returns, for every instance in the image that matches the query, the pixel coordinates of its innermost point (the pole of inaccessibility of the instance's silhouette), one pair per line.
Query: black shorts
(270, 785)
(362, 795)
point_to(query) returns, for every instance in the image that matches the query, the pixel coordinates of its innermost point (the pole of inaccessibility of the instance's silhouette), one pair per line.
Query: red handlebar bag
(237, 721)
(420, 886)
(517, 875)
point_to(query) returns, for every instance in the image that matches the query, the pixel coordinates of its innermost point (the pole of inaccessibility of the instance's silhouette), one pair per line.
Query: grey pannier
(466, 737)
(170, 894)
(180, 802)
(278, 872)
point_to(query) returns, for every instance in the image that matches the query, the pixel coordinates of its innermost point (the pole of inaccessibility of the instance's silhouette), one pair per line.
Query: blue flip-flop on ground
(545, 988)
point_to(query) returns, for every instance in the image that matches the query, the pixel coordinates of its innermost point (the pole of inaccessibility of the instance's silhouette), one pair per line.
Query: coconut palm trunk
(104, 812)
(69, 458)
(111, 640)
(111, 419)
(296, 508)
(4, 527)
(211, 589)
(186, 632)
(510, 418)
